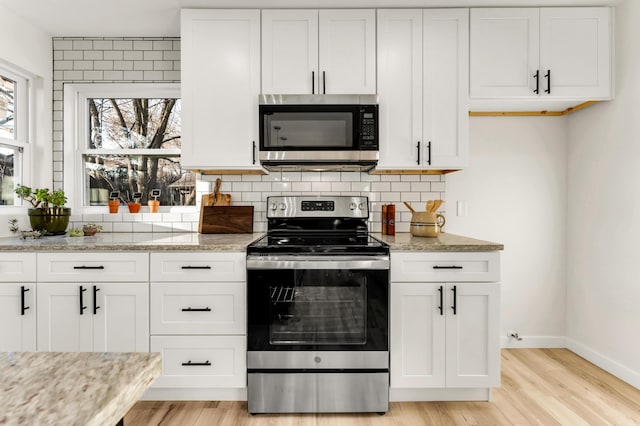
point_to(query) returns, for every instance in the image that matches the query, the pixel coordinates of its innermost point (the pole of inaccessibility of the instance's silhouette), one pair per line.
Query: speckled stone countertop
(221, 242)
(444, 242)
(72, 388)
(133, 241)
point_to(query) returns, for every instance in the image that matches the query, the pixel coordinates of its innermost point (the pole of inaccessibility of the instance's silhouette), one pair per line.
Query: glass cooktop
(318, 243)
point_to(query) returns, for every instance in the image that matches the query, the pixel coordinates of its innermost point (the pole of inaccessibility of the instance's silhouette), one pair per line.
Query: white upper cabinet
(423, 76)
(220, 55)
(530, 53)
(318, 51)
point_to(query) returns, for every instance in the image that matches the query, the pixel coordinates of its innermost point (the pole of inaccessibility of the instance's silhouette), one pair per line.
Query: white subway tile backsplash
(146, 59)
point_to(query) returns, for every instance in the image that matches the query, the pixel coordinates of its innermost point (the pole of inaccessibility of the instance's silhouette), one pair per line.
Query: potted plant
(47, 214)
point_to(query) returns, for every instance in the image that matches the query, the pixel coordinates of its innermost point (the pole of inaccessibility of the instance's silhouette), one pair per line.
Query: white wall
(603, 287)
(515, 189)
(28, 48)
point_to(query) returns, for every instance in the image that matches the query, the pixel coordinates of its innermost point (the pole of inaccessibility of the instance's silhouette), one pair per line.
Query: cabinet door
(290, 51)
(505, 46)
(60, 326)
(17, 328)
(347, 51)
(400, 87)
(473, 341)
(446, 87)
(220, 55)
(417, 335)
(120, 317)
(575, 47)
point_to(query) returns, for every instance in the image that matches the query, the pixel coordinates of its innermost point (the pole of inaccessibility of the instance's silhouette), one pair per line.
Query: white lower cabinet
(93, 301)
(101, 317)
(444, 334)
(198, 324)
(17, 302)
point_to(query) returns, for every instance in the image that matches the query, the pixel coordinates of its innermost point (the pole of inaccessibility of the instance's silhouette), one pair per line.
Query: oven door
(318, 303)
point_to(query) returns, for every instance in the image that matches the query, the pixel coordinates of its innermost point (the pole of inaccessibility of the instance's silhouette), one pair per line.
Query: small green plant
(13, 226)
(76, 232)
(41, 198)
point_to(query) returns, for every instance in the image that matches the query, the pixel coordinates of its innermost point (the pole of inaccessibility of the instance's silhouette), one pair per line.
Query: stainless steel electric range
(318, 309)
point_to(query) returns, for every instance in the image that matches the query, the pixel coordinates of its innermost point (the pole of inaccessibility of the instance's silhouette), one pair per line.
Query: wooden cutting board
(226, 220)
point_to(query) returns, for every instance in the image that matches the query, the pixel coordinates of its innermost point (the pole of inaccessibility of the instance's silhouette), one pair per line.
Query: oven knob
(361, 206)
(317, 360)
(283, 206)
(274, 206)
(353, 206)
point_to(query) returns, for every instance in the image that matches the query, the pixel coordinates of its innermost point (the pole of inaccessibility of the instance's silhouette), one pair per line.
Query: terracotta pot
(113, 206)
(134, 207)
(153, 205)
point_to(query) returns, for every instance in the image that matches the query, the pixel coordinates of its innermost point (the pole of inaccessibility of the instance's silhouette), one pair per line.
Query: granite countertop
(222, 242)
(133, 241)
(444, 242)
(73, 388)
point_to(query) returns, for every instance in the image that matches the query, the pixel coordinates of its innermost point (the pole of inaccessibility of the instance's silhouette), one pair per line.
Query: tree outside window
(134, 147)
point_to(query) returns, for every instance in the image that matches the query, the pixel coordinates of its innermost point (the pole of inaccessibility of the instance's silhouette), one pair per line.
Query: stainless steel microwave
(318, 132)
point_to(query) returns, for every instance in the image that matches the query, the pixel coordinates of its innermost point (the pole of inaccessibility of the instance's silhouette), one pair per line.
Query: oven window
(321, 307)
(311, 130)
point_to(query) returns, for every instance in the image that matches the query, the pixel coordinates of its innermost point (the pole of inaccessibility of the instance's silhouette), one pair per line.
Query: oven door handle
(317, 262)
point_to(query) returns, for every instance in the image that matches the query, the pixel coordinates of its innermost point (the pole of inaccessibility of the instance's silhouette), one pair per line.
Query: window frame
(23, 122)
(77, 129)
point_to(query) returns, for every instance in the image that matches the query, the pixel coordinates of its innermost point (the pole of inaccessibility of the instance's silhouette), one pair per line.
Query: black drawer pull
(82, 307)
(88, 267)
(196, 267)
(192, 364)
(447, 267)
(190, 309)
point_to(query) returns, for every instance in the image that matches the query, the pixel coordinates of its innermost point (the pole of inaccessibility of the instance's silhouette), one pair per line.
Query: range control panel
(329, 206)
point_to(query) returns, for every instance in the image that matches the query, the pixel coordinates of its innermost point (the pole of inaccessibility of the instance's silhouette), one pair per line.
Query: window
(127, 139)
(14, 125)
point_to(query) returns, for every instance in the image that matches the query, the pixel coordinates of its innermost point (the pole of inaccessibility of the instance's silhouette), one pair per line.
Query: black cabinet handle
(23, 308)
(447, 267)
(254, 153)
(548, 77)
(82, 307)
(537, 77)
(324, 83)
(95, 299)
(441, 308)
(192, 364)
(190, 309)
(313, 82)
(88, 267)
(429, 152)
(455, 299)
(418, 147)
(196, 267)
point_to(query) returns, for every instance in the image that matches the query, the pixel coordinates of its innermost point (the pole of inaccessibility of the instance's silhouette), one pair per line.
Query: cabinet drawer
(201, 361)
(198, 308)
(445, 267)
(17, 267)
(211, 266)
(93, 267)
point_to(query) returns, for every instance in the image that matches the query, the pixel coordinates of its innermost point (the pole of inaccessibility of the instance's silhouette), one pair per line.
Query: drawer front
(445, 267)
(17, 267)
(198, 308)
(202, 267)
(201, 361)
(93, 267)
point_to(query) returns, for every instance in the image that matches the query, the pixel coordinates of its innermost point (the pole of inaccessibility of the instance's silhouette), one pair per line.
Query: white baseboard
(195, 394)
(440, 394)
(533, 342)
(609, 365)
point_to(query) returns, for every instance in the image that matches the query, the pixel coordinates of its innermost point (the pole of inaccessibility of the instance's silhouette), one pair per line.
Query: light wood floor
(539, 387)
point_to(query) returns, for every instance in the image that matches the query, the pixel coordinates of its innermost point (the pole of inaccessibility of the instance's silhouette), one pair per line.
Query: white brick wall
(119, 59)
